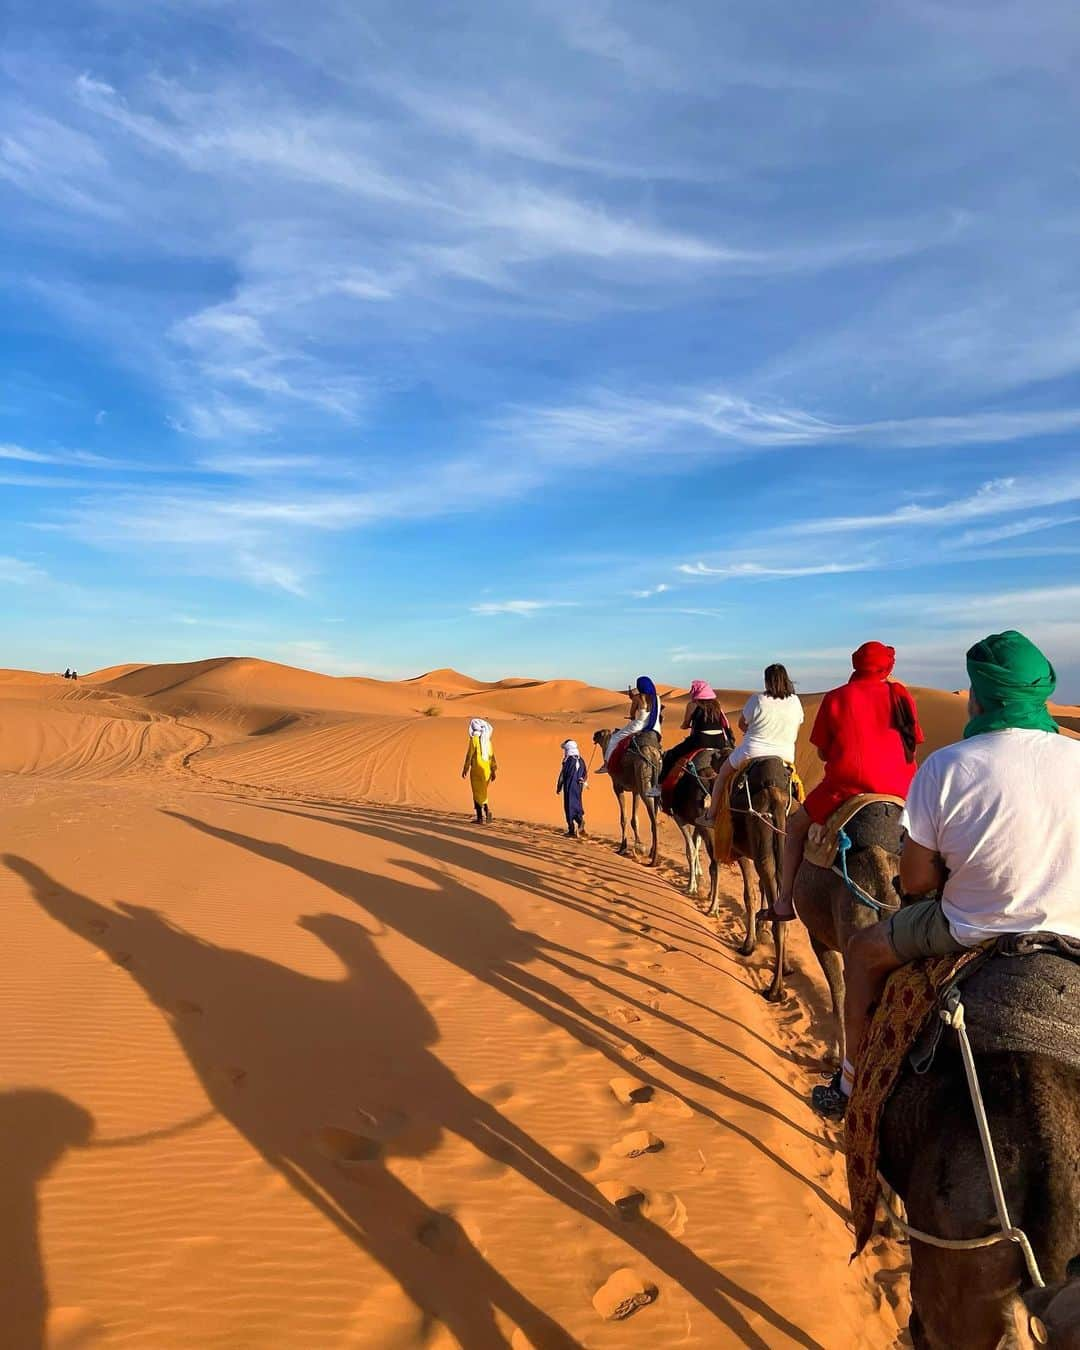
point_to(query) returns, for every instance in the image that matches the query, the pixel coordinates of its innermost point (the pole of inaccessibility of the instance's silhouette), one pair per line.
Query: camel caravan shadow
(287, 1058)
(37, 1129)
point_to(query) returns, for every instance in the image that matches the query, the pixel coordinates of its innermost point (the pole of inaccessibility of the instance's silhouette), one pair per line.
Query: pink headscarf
(702, 692)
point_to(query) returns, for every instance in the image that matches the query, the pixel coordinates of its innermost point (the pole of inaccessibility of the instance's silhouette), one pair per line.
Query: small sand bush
(433, 711)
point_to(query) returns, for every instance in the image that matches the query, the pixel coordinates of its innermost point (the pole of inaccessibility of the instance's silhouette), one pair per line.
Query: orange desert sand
(295, 1055)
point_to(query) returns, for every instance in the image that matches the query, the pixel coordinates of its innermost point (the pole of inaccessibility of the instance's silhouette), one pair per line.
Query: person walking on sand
(480, 767)
(573, 779)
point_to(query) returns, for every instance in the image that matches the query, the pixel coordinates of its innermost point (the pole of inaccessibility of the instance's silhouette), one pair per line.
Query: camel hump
(867, 819)
(1026, 999)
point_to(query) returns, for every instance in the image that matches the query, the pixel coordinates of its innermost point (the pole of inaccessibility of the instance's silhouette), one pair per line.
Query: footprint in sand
(580, 1157)
(624, 1014)
(671, 1105)
(636, 1143)
(623, 1294)
(70, 1328)
(629, 1091)
(498, 1094)
(231, 1074)
(121, 959)
(442, 1232)
(187, 1007)
(667, 1211)
(97, 926)
(347, 1148)
(625, 1198)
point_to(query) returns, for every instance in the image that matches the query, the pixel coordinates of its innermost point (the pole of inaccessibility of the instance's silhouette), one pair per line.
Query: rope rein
(750, 810)
(952, 1014)
(843, 845)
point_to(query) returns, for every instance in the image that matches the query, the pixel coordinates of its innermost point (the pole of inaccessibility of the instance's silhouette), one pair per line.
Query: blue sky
(556, 338)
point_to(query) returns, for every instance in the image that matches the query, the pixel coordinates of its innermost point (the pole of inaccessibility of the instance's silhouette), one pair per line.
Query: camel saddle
(623, 748)
(769, 771)
(1021, 995)
(823, 840)
(681, 765)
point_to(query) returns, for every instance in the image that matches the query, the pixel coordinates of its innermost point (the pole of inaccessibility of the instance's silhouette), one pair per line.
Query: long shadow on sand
(503, 963)
(283, 1055)
(509, 859)
(36, 1129)
(472, 932)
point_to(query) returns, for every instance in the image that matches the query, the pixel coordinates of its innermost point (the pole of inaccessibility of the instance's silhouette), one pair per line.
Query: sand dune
(297, 1056)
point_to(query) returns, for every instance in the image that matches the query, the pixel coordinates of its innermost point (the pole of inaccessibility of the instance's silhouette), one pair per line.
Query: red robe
(856, 730)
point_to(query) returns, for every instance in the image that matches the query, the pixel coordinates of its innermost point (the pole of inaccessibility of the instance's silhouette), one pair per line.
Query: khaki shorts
(922, 930)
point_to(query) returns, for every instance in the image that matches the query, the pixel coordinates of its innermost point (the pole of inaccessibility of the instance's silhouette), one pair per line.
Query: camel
(688, 801)
(759, 811)
(831, 911)
(637, 773)
(930, 1154)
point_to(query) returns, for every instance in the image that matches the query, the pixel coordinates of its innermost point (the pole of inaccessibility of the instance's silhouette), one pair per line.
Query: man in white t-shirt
(993, 825)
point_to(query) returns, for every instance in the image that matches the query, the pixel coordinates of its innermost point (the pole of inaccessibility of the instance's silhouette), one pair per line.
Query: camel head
(601, 738)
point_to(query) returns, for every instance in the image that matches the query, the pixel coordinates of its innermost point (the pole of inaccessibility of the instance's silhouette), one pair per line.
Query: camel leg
(696, 840)
(714, 872)
(750, 903)
(633, 822)
(620, 797)
(690, 844)
(776, 989)
(833, 968)
(653, 813)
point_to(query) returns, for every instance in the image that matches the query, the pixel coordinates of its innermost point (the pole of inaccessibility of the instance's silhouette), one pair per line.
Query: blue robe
(571, 781)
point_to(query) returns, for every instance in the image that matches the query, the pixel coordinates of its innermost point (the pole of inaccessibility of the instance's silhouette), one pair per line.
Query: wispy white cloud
(523, 608)
(17, 572)
(650, 591)
(999, 496)
(750, 571)
(1014, 530)
(606, 420)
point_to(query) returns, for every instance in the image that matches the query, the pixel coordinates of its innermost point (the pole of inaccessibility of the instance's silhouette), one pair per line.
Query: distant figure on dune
(646, 714)
(67, 673)
(866, 733)
(74, 674)
(573, 778)
(480, 767)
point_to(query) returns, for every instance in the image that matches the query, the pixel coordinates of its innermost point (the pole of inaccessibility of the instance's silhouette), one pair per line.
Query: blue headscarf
(645, 686)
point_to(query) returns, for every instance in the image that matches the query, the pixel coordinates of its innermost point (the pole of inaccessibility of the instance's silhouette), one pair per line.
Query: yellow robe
(479, 769)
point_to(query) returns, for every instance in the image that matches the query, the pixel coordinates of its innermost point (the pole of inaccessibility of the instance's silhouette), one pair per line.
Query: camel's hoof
(748, 948)
(773, 995)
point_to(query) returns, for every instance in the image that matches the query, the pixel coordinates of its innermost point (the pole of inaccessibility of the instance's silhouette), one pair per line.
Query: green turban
(1011, 680)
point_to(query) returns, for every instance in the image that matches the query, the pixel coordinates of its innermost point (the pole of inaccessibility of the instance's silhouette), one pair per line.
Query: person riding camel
(646, 714)
(707, 724)
(770, 723)
(866, 733)
(480, 767)
(993, 826)
(573, 779)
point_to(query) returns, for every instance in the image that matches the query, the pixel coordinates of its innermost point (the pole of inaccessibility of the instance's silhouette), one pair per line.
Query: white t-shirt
(772, 725)
(1003, 810)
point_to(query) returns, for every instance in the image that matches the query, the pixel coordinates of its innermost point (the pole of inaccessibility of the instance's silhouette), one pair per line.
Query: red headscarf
(873, 661)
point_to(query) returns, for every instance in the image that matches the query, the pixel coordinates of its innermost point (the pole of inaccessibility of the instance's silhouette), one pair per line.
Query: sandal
(769, 915)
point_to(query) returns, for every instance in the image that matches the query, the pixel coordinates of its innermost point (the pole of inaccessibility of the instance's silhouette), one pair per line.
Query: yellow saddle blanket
(822, 840)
